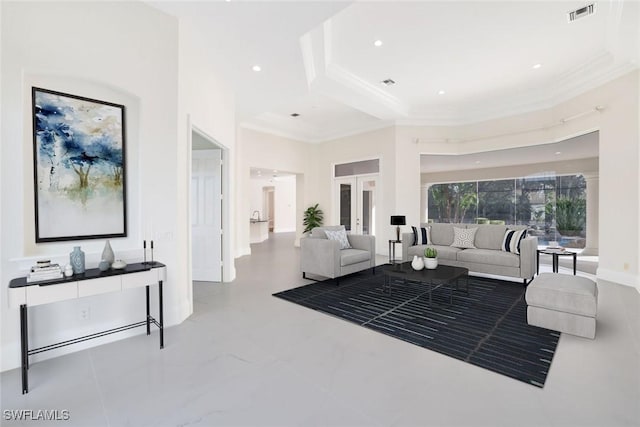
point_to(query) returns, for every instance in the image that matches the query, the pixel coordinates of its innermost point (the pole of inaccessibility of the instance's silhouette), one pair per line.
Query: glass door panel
(366, 215)
(346, 205)
(356, 204)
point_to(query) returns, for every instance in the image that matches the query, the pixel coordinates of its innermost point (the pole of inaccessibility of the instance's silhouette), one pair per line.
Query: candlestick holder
(144, 251)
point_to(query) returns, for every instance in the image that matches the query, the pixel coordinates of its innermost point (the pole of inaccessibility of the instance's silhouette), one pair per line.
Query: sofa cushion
(444, 252)
(489, 236)
(353, 256)
(489, 256)
(464, 237)
(442, 234)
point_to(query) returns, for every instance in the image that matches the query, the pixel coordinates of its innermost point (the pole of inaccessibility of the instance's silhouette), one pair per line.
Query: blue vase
(76, 259)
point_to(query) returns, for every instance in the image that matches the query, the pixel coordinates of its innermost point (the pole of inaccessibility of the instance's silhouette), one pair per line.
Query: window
(554, 207)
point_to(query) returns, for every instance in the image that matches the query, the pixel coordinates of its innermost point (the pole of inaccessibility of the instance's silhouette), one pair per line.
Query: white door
(206, 215)
(356, 198)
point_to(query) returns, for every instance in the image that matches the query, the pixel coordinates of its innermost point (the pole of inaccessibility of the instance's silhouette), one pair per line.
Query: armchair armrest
(320, 256)
(364, 242)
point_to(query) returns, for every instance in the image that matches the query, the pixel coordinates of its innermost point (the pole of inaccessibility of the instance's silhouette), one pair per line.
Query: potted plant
(312, 218)
(430, 258)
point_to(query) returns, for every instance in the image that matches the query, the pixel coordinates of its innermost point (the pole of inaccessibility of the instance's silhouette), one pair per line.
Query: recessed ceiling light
(377, 43)
(536, 66)
(441, 92)
(558, 153)
(256, 68)
(275, 171)
(294, 114)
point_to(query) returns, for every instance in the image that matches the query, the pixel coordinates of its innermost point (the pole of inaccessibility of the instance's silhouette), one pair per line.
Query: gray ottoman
(563, 303)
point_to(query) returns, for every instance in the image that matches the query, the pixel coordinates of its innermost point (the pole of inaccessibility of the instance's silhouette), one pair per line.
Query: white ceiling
(580, 147)
(318, 59)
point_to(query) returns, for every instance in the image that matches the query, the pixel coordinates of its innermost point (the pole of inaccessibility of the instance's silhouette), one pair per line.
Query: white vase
(417, 263)
(430, 263)
(107, 253)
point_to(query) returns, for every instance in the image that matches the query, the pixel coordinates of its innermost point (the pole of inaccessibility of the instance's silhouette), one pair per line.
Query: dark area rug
(487, 328)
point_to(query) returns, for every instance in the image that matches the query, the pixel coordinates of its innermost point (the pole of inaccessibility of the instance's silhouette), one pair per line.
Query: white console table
(91, 282)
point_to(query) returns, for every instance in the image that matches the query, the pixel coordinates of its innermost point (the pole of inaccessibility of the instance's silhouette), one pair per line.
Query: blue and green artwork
(79, 162)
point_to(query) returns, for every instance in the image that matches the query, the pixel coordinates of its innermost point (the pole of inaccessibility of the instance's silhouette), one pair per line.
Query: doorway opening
(273, 203)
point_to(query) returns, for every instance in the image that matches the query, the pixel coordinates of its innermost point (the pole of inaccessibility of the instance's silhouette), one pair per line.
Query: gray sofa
(486, 258)
(323, 257)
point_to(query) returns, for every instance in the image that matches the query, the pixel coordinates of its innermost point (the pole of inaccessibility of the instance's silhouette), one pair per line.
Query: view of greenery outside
(554, 207)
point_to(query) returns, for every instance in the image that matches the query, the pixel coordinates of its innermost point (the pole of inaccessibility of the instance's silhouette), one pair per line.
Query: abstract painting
(79, 167)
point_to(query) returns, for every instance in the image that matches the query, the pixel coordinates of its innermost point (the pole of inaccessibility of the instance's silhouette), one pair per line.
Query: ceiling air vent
(574, 15)
(388, 82)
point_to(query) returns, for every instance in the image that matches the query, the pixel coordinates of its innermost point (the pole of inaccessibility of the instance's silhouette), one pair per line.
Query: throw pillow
(512, 239)
(422, 237)
(340, 236)
(464, 237)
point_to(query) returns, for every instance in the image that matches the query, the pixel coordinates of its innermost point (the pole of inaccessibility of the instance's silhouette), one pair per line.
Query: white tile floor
(247, 358)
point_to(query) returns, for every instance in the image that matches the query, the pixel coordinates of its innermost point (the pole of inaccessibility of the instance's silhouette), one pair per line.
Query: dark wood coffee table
(442, 276)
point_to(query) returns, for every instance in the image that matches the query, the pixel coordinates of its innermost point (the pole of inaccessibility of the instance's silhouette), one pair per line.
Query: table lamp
(398, 220)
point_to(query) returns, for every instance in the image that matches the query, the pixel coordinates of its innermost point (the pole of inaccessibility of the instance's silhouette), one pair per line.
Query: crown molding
(305, 137)
(276, 132)
(328, 78)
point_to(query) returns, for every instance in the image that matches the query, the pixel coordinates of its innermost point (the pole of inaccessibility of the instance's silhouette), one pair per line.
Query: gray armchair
(323, 257)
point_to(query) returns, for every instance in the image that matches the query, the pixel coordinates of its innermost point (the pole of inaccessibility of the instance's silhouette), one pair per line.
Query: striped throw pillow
(512, 239)
(421, 236)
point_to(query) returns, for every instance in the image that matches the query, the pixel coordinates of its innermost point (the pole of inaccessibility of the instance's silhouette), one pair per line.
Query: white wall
(262, 150)
(378, 144)
(120, 52)
(284, 201)
(207, 103)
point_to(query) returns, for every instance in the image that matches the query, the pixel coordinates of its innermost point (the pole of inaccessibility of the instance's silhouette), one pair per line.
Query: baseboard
(625, 279)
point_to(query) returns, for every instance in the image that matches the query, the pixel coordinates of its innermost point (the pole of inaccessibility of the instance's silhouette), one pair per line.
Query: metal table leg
(24, 348)
(148, 312)
(161, 314)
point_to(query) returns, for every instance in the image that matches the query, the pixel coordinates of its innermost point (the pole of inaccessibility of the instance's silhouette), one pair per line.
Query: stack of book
(44, 270)
(555, 250)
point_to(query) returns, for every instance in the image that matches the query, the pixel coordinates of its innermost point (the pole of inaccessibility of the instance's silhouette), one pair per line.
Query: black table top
(442, 273)
(91, 273)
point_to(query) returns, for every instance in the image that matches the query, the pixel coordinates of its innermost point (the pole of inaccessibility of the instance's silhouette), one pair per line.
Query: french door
(355, 203)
